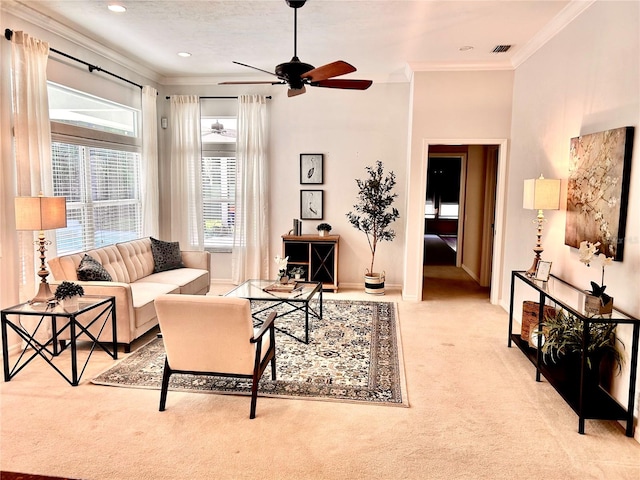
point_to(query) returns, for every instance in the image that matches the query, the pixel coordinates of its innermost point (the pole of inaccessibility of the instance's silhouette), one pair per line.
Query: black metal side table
(94, 312)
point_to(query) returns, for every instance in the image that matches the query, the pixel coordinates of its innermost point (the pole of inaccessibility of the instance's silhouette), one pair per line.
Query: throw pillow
(166, 255)
(91, 270)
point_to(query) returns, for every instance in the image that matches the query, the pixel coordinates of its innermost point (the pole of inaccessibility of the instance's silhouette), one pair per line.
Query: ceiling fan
(297, 74)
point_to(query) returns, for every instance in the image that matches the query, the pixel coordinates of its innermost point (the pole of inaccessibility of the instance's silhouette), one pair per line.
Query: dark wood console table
(595, 404)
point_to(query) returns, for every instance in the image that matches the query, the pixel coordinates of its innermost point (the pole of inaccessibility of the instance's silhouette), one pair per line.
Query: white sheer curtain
(186, 176)
(33, 171)
(250, 258)
(150, 198)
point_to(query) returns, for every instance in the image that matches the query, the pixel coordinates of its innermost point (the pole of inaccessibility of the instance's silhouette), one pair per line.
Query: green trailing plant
(68, 290)
(324, 226)
(564, 334)
(374, 213)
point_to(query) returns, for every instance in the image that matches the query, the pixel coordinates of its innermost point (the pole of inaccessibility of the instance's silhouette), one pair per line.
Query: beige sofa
(135, 285)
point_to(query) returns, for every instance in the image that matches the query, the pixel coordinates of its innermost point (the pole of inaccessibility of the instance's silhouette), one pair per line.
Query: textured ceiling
(379, 37)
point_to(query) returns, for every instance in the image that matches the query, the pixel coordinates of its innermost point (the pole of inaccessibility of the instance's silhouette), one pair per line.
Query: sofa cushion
(137, 257)
(92, 270)
(190, 280)
(112, 261)
(166, 255)
(143, 294)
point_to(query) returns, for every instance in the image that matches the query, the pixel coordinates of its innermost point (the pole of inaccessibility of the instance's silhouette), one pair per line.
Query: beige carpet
(476, 413)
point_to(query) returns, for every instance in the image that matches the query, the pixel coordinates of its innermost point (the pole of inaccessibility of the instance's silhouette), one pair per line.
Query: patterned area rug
(354, 355)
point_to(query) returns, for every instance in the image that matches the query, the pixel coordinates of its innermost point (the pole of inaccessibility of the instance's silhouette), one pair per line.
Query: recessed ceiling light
(465, 48)
(114, 7)
(184, 54)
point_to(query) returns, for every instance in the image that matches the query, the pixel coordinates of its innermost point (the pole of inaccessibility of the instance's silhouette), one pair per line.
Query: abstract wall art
(598, 190)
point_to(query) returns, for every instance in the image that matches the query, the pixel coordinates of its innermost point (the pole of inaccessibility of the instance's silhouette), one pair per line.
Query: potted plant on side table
(323, 229)
(563, 335)
(68, 294)
(373, 215)
(297, 272)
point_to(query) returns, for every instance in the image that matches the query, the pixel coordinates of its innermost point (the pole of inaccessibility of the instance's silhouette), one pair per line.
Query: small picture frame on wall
(543, 270)
(311, 168)
(311, 204)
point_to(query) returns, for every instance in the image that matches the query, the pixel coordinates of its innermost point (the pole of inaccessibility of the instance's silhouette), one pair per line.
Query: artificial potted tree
(374, 215)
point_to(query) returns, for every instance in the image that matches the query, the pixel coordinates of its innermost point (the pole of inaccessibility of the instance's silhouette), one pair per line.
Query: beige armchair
(208, 335)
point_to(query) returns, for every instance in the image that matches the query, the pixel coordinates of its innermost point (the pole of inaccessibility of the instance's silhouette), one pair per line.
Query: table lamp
(41, 213)
(540, 194)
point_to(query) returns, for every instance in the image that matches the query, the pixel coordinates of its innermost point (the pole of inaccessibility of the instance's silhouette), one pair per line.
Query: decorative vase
(374, 283)
(593, 306)
(70, 304)
(322, 233)
(297, 276)
(284, 279)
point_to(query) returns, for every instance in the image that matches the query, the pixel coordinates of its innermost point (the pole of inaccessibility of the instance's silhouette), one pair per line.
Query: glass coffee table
(298, 296)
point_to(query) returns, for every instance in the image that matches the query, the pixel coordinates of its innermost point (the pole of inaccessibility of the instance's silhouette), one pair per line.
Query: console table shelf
(587, 401)
(318, 255)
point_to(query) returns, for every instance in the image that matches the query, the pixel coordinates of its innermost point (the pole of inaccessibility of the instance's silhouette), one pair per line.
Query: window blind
(218, 200)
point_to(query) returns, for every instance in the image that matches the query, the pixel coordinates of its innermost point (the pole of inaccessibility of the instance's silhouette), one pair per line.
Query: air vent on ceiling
(501, 48)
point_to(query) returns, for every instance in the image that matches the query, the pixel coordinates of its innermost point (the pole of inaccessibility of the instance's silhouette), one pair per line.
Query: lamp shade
(541, 194)
(40, 213)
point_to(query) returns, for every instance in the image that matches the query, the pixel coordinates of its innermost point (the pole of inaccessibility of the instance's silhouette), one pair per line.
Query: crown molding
(459, 66)
(567, 15)
(24, 12)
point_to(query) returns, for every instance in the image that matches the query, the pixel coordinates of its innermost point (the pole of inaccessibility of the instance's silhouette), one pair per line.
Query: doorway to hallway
(460, 209)
(445, 195)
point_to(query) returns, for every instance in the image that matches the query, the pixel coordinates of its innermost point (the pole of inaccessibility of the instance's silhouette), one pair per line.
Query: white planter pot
(374, 283)
(593, 306)
(70, 304)
(323, 233)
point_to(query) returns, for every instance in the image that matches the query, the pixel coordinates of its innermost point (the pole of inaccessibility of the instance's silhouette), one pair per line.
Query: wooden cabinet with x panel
(317, 255)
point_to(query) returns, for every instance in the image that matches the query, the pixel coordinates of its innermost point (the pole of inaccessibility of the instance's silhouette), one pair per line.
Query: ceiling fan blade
(329, 70)
(255, 68)
(345, 84)
(296, 91)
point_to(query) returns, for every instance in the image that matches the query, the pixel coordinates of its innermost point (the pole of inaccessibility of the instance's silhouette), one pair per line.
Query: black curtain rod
(218, 98)
(8, 33)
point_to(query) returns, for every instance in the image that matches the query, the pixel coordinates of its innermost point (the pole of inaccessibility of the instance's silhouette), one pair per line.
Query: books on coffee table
(281, 287)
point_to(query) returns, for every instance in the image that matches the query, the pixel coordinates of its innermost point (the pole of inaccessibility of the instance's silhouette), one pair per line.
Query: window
(96, 166)
(218, 181)
(443, 187)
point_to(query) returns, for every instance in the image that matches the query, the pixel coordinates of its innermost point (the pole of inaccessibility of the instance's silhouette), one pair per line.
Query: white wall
(585, 80)
(580, 82)
(468, 106)
(352, 129)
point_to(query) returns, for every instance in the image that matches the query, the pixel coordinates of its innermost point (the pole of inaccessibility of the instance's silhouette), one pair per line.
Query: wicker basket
(530, 319)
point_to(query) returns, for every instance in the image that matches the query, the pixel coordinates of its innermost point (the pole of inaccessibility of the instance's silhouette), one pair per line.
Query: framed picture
(311, 204)
(598, 190)
(543, 270)
(311, 168)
